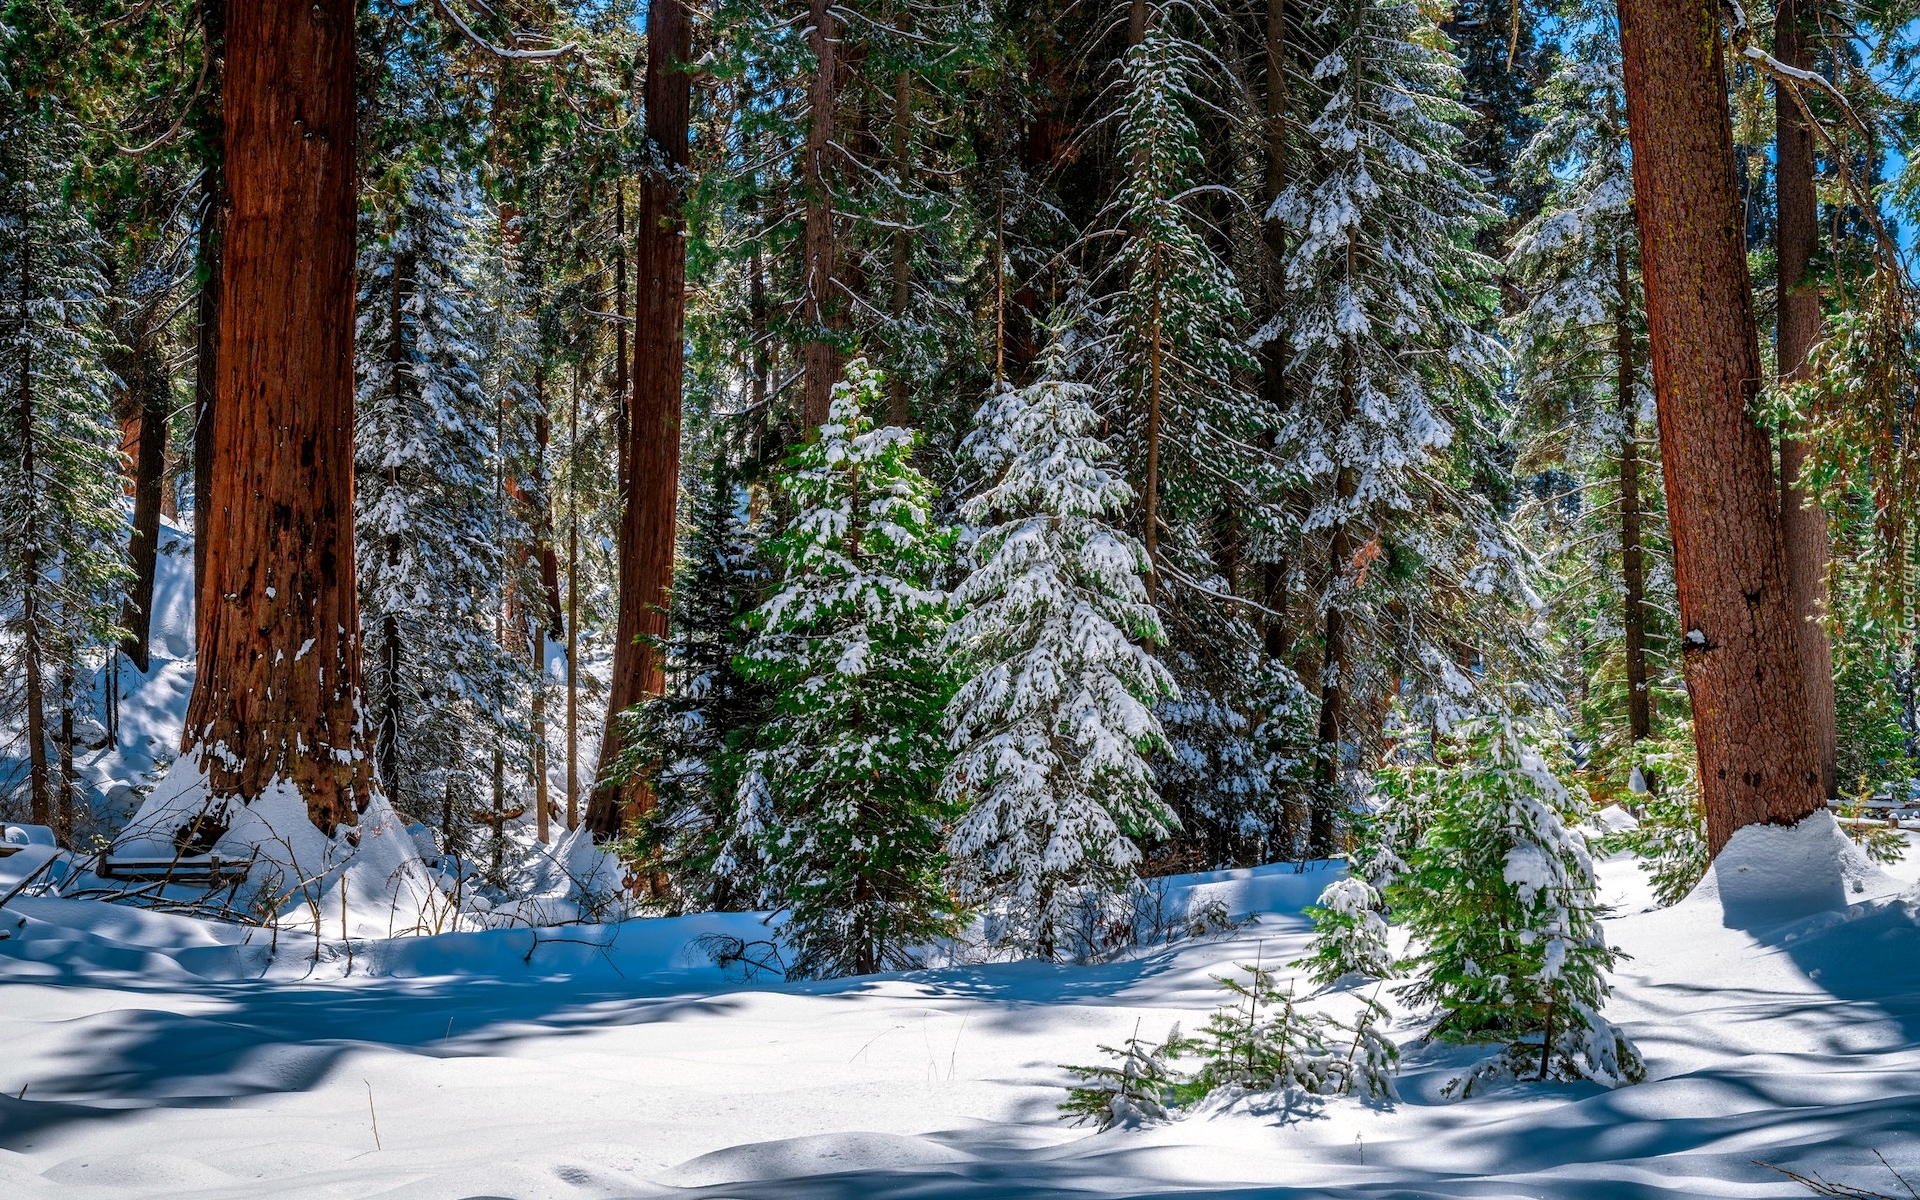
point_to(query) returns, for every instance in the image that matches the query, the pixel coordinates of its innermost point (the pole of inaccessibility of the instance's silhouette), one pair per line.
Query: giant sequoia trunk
(277, 695)
(1757, 755)
(653, 469)
(1803, 524)
(820, 356)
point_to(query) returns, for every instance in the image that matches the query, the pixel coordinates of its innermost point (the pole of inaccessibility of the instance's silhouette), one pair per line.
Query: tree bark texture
(1755, 743)
(820, 357)
(647, 529)
(1803, 524)
(277, 695)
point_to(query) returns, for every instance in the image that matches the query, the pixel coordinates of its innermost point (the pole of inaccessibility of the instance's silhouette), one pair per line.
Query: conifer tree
(1390, 383)
(841, 797)
(693, 740)
(427, 517)
(1586, 395)
(1499, 890)
(1052, 726)
(60, 517)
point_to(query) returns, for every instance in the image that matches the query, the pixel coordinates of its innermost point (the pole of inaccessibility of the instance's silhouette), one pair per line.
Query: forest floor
(144, 1055)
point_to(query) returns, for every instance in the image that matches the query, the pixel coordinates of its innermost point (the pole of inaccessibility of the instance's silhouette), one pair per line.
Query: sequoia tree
(1757, 754)
(653, 439)
(277, 694)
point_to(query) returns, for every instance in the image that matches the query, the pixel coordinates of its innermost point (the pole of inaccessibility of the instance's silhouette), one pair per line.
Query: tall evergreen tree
(426, 512)
(843, 789)
(60, 514)
(1052, 726)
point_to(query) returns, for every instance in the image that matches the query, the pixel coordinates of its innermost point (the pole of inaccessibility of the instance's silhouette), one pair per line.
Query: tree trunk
(622, 396)
(277, 695)
(64, 812)
(214, 209)
(1803, 524)
(647, 530)
(820, 357)
(148, 383)
(38, 805)
(1757, 753)
(573, 600)
(1632, 561)
(902, 239)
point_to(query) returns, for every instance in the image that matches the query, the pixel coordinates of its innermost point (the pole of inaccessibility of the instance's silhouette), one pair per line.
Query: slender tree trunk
(148, 382)
(820, 357)
(902, 238)
(64, 814)
(537, 650)
(1632, 562)
(38, 804)
(573, 604)
(647, 530)
(277, 695)
(622, 394)
(214, 212)
(1335, 649)
(1803, 524)
(1757, 752)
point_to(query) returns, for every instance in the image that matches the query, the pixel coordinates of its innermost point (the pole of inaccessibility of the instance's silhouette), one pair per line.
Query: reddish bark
(820, 357)
(1757, 756)
(653, 442)
(144, 371)
(214, 208)
(278, 689)
(1803, 523)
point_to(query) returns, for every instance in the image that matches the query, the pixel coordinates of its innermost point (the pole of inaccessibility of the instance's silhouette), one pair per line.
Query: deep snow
(165, 1057)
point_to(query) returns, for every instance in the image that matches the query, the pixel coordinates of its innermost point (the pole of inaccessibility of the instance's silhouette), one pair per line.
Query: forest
(1402, 512)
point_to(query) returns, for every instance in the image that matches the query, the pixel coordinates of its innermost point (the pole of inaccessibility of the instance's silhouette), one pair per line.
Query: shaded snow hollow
(1778, 1006)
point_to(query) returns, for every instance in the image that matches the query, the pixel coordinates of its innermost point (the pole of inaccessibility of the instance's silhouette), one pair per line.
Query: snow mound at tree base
(365, 881)
(1771, 874)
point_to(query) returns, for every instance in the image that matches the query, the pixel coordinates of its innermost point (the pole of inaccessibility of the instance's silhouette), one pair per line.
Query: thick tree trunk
(148, 383)
(820, 357)
(31, 649)
(647, 530)
(1803, 524)
(277, 696)
(1757, 754)
(1632, 556)
(214, 210)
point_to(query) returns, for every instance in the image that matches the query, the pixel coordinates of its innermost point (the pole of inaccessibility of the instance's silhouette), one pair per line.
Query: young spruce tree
(842, 796)
(1052, 727)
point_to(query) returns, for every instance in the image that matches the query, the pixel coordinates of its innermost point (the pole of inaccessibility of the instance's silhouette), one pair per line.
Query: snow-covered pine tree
(1052, 727)
(1349, 934)
(1390, 383)
(692, 740)
(428, 521)
(61, 524)
(1499, 891)
(1188, 423)
(1586, 399)
(844, 787)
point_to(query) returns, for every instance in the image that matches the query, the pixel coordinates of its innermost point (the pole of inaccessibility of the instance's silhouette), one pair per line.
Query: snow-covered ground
(155, 1056)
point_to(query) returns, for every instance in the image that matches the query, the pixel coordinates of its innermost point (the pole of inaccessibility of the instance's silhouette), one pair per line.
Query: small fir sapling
(842, 792)
(1137, 1091)
(1499, 891)
(1052, 726)
(1349, 935)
